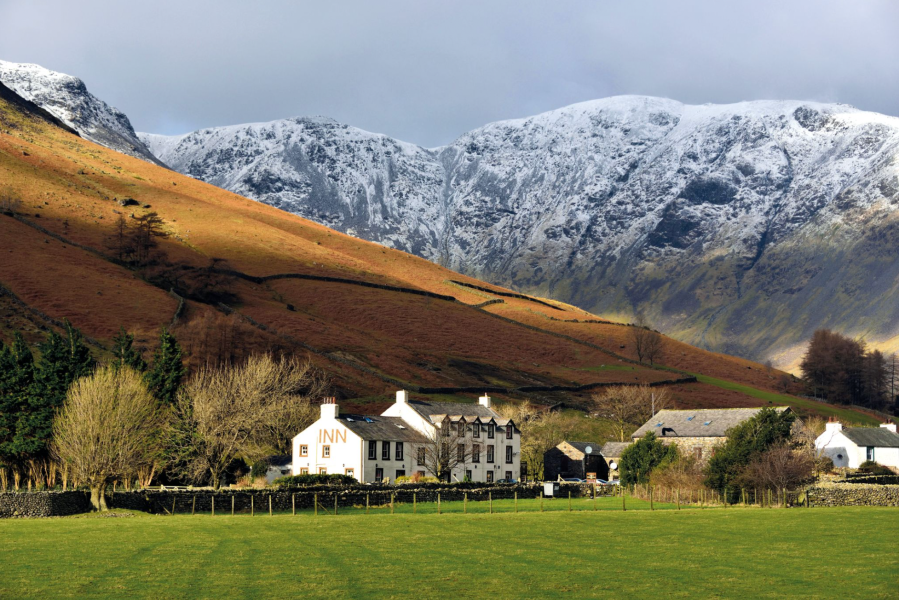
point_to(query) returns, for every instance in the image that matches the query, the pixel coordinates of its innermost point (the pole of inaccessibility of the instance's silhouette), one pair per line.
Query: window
(385, 450)
(870, 452)
(460, 452)
(509, 456)
(400, 473)
(326, 451)
(508, 475)
(304, 450)
(697, 452)
(420, 474)
(350, 472)
(421, 457)
(304, 471)
(476, 430)
(372, 450)
(468, 475)
(379, 475)
(509, 431)
(490, 430)
(490, 453)
(446, 428)
(399, 450)
(489, 476)
(323, 470)
(476, 453)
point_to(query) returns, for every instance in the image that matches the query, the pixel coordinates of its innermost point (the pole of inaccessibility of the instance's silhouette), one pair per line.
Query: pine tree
(125, 354)
(164, 377)
(16, 378)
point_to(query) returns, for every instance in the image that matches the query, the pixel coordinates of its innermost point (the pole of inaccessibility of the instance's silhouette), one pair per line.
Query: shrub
(777, 468)
(872, 468)
(683, 473)
(259, 468)
(640, 458)
(416, 479)
(314, 479)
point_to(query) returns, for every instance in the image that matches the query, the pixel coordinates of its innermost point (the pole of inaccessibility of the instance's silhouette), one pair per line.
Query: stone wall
(43, 504)
(46, 504)
(688, 445)
(853, 494)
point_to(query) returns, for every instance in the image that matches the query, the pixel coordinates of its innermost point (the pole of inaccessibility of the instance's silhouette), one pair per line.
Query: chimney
(330, 409)
(485, 401)
(402, 397)
(833, 426)
(889, 426)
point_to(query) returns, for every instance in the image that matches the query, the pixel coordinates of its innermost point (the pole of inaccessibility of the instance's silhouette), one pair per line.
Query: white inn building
(401, 441)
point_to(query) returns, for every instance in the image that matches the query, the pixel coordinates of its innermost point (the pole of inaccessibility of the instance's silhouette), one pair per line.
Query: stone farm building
(574, 459)
(611, 453)
(398, 442)
(851, 446)
(697, 432)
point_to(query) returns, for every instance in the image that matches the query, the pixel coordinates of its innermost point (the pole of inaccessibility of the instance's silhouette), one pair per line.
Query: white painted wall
(345, 448)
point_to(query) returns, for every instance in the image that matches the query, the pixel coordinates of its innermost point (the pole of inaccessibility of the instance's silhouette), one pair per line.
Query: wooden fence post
(541, 501)
(316, 503)
(193, 507)
(252, 506)
(415, 502)
(392, 501)
(490, 499)
(465, 503)
(623, 503)
(594, 498)
(651, 506)
(677, 497)
(367, 494)
(232, 505)
(293, 504)
(335, 504)
(516, 501)
(269, 505)
(438, 503)
(173, 505)
(569, 500)
(725, 497)
(213, 506)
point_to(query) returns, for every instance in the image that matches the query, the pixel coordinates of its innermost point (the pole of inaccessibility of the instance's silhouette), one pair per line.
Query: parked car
(574, 480)
(506, 481)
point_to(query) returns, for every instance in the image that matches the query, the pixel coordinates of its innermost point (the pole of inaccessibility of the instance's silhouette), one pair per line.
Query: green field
(827, 410)
(734, 553)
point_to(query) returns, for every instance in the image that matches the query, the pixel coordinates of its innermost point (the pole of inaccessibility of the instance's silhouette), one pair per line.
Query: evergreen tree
(164, 377)
(640, 458)
(63, 360)
(125, 354)
(16, 378)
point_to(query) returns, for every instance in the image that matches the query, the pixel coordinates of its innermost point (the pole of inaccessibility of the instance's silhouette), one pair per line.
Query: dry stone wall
(853, 494)
(43, 504)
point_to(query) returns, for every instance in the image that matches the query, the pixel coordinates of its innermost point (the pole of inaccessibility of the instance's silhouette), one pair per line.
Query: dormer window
(509, 431)
(490, 430)
(476, 429)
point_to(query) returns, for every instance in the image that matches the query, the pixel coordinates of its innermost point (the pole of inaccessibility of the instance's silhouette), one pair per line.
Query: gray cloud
(426, 72)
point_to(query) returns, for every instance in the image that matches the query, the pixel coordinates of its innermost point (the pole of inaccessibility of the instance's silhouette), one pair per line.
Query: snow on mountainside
(67, 98)
(739, 228)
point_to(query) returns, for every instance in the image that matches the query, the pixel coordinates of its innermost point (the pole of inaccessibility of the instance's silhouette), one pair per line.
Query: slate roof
(614, 449)
(279, 460)
(709, 422)
(878, 437)
(429, 409)
(391, 429)
(582, 446)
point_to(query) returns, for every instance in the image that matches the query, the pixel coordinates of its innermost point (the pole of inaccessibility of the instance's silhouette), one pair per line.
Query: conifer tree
(125, 354)
(16, 378)
(164, 377)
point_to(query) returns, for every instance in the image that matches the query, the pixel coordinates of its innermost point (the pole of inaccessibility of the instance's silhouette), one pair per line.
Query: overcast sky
(426, 71)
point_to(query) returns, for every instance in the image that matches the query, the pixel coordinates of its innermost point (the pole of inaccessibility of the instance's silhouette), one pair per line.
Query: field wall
(853, 494)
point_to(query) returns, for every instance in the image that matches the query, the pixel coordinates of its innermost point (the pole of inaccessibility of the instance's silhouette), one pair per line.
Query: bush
(259, 468)
(416, 479)
(777, 468)
(684, 473)
(314, 479)
(639, 459)
(872, 468)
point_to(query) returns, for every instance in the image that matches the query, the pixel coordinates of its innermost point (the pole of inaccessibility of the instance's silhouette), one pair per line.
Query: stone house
(697, 431)
(574, 459)
(851, 446)
(611, 453)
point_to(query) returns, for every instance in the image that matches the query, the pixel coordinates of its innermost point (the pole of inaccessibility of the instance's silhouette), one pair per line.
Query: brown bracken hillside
(374, 318)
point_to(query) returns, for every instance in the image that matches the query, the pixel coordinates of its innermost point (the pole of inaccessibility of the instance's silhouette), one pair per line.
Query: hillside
(739, 228)
(375, 318)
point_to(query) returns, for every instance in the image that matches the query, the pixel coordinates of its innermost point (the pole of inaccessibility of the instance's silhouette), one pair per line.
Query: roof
(878, 437)
(432, 409)
(582, 446)
(614, 449)
(709, 422)
(392, 429)
(279, 460)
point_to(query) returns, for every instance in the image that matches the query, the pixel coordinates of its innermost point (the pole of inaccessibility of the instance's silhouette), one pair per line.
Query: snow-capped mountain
(739, 228)
(67, 99)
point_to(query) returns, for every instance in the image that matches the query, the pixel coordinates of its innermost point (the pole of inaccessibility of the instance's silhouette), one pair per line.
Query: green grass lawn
(734, 553)
(821, 408)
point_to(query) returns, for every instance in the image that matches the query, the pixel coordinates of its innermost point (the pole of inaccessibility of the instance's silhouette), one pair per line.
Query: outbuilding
(581, 460)
(851, 446)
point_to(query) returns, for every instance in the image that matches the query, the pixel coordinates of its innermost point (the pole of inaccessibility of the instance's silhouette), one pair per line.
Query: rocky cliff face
(739, 228)
(67, 99)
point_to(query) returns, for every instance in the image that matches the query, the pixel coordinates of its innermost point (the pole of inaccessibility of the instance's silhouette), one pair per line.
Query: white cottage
(851, 446)
(375, 448)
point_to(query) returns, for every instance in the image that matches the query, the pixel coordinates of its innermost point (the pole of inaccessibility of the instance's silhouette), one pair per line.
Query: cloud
(426, 72)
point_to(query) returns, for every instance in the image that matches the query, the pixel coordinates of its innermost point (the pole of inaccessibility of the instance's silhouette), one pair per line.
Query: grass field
(746, 553)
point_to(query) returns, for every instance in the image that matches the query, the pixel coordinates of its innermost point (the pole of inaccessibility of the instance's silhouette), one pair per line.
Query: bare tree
(249, 411)
(778, 468)
(647, 343)
(628, 407)
(108, 427)
(446, 449)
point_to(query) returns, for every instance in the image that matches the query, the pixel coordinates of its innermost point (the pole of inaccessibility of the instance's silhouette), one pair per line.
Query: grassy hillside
(375, 318)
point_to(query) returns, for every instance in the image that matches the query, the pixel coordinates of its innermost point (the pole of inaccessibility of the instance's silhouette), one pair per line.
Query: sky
(425, 71)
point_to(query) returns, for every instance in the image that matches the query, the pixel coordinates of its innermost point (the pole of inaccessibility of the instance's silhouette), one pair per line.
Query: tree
(125, 354)
(10, 200)
(446, 449)
(121, 241)
(16, 380)
(165, 376)
(628, 407)
(108, 427)
(745, 442)
(640, 458)
(144, 236)
(248, 411)
(777, 468)
(647, 343)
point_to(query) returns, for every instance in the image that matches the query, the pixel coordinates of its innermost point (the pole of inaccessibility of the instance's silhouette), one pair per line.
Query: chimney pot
(329, 408)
